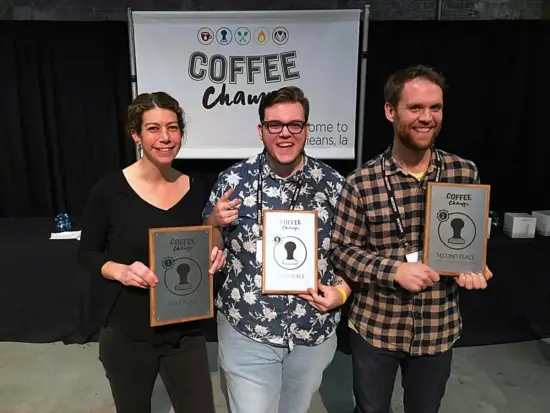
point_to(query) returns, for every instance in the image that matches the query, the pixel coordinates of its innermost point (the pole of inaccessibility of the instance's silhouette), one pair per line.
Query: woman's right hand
(137, 275)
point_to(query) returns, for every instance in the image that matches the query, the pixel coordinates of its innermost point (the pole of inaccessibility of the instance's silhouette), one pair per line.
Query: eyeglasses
(294, 127)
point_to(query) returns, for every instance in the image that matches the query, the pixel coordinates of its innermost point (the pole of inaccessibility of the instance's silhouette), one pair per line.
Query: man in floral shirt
(273, 349)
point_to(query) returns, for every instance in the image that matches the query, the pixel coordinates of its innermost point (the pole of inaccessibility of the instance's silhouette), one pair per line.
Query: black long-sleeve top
(115, 227)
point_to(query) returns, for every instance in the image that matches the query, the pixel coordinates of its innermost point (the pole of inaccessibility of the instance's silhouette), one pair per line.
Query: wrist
(344, 295)
(211, 220)
(394, 276)
(112, 270)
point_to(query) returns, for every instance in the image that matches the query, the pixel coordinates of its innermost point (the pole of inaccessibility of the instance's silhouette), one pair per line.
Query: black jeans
(424, 378)
(132, 368)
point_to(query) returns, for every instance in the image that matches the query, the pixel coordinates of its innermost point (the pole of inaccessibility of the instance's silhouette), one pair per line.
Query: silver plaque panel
(456, 228)
(180, 258)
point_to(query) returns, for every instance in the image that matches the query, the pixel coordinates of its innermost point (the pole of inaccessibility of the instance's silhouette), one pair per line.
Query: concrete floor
(55, 378)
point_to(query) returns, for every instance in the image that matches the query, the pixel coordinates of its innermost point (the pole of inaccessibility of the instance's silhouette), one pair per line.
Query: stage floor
(57, 378)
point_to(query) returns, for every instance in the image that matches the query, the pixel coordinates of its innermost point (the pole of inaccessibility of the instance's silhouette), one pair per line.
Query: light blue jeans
(259, 378)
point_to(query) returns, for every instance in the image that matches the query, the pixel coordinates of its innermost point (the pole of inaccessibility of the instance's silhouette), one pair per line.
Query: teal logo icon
(242, 35)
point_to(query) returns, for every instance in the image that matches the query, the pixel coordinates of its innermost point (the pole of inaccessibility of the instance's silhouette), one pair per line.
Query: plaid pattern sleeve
(366, 246)
(350, 235)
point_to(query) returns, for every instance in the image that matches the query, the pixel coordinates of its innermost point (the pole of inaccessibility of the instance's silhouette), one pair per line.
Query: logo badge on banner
(220, 65)
(224, 35)
(261, 35)
(280, 36)
(205, 36)
(242, 35)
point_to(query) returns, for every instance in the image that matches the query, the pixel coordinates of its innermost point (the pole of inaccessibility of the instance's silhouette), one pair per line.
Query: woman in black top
(114, 243)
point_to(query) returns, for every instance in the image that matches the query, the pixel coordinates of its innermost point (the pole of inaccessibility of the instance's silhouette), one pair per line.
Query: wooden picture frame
(185, 291)
(284, 263)
(456, 227)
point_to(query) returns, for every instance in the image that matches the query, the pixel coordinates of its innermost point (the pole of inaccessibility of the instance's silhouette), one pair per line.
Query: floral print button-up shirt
(280, 320)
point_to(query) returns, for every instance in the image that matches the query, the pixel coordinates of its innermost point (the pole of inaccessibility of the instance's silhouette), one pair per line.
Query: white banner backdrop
(218, 65)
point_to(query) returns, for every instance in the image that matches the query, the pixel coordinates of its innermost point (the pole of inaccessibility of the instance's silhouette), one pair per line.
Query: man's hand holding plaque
(473, 281)
(415, 276)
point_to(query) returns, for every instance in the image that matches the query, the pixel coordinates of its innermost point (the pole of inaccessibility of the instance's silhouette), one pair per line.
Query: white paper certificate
(289, 252)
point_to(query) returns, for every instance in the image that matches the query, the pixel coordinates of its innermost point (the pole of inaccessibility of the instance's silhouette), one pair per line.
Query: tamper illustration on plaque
(289, 252)
(456, 230)
(182, 276)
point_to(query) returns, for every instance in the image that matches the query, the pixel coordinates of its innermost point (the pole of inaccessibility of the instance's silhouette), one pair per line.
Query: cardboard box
(519, 225)
(543, 222)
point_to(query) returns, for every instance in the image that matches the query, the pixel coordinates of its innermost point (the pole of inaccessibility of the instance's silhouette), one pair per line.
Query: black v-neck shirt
(115, 227)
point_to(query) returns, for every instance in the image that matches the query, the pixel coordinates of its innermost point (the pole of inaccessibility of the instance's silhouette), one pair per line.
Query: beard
(408, 140)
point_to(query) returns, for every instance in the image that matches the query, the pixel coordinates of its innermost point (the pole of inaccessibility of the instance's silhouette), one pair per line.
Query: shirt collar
(297, 176)
(391, 167)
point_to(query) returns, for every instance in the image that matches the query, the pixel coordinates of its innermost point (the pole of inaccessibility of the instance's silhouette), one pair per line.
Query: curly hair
(147, 101)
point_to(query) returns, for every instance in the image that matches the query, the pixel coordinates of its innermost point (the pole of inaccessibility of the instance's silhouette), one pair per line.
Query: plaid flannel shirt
(366, 246)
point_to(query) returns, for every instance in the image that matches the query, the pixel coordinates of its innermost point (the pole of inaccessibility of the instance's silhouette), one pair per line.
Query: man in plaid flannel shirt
(403, 313)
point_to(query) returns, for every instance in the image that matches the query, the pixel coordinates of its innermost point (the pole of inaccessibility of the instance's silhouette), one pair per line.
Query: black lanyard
(396, 216)
(259, 195)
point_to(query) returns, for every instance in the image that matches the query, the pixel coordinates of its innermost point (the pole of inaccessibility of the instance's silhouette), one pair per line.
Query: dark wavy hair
(289, 94)
(147, 101)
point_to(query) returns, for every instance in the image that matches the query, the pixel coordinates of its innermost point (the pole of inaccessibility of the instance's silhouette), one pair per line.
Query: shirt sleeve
(477, 179)
(95, 224)
(349, 238)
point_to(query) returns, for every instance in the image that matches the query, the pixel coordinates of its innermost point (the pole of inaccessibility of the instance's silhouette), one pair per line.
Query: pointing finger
(227, 195)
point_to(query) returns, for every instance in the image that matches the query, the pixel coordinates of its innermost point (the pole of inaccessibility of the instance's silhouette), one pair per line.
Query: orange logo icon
(261, 35)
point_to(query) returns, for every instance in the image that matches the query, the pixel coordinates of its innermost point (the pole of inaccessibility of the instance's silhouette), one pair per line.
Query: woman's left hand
(218, 260)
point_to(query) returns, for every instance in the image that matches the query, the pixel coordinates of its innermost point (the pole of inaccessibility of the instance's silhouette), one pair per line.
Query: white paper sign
(289, 252)
(219, 65)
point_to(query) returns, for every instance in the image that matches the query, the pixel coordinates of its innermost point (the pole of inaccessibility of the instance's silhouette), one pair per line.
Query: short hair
(396, 81)
(147, 101)
(288, 94)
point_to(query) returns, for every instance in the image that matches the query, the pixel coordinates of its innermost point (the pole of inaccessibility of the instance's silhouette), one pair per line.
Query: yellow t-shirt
(417, 175)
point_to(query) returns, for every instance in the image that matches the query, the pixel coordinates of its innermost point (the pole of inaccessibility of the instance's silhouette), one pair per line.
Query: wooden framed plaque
(289, 252)
(456, 229)
(180, 258)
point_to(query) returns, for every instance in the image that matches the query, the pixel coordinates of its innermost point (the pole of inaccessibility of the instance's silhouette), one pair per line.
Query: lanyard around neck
(396, 216)
(259, 194)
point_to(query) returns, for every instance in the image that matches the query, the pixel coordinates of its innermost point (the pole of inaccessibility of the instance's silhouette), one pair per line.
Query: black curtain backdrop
(496, 104)
(64, 92)
(65, 88)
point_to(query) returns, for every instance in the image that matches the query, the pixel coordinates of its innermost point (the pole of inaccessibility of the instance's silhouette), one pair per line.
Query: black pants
(424, 378)
(132, 369)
